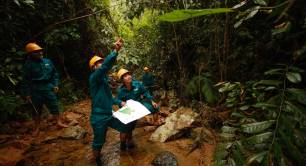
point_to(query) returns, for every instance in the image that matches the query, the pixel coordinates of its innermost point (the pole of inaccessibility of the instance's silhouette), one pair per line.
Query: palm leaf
(228, 129)
(291, 149)
(238, 156)
(268, 82)
(277, 153)
(220, 154)
(180, 15)
(295, 108)
(257, 157)
(220, 163)
(258, 139)
(231, 162)
(264, 106)
(274, 72)
(298, 94)
(257, 127)
(227, 137)
(294, 77)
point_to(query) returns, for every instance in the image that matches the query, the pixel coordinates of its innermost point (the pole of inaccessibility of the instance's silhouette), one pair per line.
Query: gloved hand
(56, 89)
(123, 104)
(155, 105)
(118, 44)
(28, 98)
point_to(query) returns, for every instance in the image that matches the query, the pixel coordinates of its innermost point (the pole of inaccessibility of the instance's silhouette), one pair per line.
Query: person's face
(98, 64)
(127, 78)
(37, 54)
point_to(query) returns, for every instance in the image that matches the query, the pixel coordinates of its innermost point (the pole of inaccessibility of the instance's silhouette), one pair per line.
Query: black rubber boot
(99, 161)
(130, 145)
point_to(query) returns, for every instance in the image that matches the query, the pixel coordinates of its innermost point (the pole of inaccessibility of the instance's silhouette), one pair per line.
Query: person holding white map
(133, 89)
(102, 100)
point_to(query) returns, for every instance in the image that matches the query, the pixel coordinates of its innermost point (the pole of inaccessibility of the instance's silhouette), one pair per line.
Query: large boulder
(72, 132)
(176, 122)
(165, 159)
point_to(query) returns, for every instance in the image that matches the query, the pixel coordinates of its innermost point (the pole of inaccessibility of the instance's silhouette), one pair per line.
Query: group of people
(40, 85)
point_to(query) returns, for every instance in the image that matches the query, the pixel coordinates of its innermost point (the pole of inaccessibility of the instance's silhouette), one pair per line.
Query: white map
(133, 110)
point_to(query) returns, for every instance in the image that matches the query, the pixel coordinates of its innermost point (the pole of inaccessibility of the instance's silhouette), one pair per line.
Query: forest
(239, 64)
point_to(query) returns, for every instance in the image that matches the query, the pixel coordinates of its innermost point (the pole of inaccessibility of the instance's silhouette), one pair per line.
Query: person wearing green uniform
(148, 80)
(40, 85)
(102, 100)
(133, 89)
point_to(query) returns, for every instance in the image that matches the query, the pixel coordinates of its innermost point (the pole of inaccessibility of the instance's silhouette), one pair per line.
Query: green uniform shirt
(137, 93)
(39, 75)
(100, 92)
(148, 79)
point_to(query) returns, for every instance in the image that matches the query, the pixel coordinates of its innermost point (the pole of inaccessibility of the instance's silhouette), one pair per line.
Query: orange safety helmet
(30, 47)
(146, 68)
(121, 72)
(93, 60)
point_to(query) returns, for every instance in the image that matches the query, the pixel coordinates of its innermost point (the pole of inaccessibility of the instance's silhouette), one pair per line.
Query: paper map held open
(133, 110)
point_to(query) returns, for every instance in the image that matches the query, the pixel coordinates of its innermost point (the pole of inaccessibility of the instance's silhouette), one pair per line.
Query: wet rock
(71, 116)
(111, 155)
(174, 124)
(50, 139)
(73, 123)
(149, 128)
(203, 133)
(165, 158)
(72, 132)
(165, 111)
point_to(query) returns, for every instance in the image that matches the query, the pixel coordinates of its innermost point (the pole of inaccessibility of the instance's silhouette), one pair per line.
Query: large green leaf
(294, 107)
(268, 82)
(210, 93)
(17, 2)
(252, 12)
(231, 162)
(239, 5)
(257, 127)
(227, 137)
(245, 107)
(291, 149)
(277, 152)
(258, 139)
(220, 163)
(220, 154)
(274, 72)
(238, 156)
(298, 94)
(257, 157)
(294, 77)
(222, 146)
(260, 2)
(264, 106)
(227, 87)
(180, 15)
(228, 129)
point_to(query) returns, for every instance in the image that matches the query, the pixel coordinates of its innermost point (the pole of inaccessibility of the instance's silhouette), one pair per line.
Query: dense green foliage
(267, 125)
(69, 42)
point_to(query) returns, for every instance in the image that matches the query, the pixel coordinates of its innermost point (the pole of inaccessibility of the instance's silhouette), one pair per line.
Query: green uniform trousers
(100, 123)
(47, 97)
